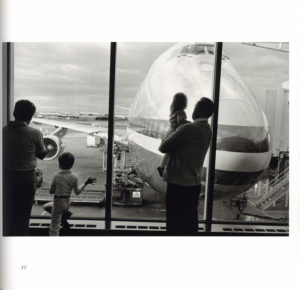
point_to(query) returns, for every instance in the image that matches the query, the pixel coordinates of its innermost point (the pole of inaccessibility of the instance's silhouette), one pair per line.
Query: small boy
(63, 183)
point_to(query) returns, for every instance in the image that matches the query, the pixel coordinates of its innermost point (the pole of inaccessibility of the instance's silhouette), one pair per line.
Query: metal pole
(209, 193)
(261, 46)
(110, 143)
(8, 82)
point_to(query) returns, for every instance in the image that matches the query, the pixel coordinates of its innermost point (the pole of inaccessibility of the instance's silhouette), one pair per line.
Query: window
(70, 83)
(252, 188)
(193, 49)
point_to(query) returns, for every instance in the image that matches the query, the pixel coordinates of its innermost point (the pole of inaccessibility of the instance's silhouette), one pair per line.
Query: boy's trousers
(60, 206)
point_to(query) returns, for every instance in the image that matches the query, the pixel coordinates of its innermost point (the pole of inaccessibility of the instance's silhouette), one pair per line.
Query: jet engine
(54, 145)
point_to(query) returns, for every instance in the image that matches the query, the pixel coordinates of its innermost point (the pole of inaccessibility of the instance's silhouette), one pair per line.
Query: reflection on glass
(68, 83)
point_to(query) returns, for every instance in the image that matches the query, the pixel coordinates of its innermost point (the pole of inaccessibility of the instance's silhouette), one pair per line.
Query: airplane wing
(123, 108)
(88, 129)
(69, 125)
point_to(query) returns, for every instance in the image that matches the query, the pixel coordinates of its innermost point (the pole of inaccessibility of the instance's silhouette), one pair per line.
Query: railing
(274, 190)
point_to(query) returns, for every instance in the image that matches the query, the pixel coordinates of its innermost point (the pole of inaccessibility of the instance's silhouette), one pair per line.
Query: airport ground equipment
(240, 202)
(127, 186)
(275, 190)
(93, 141)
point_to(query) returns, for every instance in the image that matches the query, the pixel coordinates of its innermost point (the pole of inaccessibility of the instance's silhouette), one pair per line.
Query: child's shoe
(66, 216)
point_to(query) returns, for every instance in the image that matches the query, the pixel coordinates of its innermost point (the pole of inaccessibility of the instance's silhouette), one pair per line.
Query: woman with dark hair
(177, 118)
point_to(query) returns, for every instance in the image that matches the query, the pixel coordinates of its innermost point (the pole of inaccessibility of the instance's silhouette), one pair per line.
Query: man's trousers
(182, 209)
(19, 189)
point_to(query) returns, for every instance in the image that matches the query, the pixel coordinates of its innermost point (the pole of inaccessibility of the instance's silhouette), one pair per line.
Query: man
(21, 146)
(187, 146)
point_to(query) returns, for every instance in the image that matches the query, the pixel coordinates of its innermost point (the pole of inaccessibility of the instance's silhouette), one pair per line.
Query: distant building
(48, 114)
(89, 114)
(277, 113)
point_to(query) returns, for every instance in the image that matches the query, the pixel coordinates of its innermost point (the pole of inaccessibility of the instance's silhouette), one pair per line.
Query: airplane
(46, 115)
(117, 117)
(243, 142)
(93, 117)
(89, 114)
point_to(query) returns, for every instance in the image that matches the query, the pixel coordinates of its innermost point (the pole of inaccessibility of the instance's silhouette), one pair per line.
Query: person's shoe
(64, 228)
(66, 216)
(160, 171)
(66, 225)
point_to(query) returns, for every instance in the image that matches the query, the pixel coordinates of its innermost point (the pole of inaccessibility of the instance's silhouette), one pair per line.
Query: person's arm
(176, 139)
(42, 155)
(181, 118)
(41, 151)
(79, 189)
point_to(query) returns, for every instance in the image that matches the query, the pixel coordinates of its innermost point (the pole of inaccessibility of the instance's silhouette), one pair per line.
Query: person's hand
(91, 180)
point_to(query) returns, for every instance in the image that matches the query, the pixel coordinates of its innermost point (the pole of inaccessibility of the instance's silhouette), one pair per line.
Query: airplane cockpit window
(210, 50)
(195, 49)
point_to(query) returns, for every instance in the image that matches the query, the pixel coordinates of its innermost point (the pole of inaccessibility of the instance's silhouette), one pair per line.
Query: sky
(73, 77)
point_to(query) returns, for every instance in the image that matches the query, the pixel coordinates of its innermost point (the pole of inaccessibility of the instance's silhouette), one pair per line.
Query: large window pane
(68, 83)
(148, 76)
(252, 175)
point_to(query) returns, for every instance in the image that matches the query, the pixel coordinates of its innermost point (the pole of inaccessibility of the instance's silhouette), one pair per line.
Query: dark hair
(179, 103)
(24, 110)
(66, 160)
(203, 109)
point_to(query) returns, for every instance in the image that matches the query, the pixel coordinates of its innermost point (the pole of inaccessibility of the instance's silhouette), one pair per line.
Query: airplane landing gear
(240, 203)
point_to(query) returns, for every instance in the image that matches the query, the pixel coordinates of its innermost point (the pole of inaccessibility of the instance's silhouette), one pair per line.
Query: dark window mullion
(208, 207)
(7, 82)
(110, 143)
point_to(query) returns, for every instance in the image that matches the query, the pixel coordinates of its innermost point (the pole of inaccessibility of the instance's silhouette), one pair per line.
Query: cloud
(260, 68)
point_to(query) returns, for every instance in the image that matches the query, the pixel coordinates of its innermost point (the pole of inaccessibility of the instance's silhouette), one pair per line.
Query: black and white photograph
(134, 150)
(69, 85)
